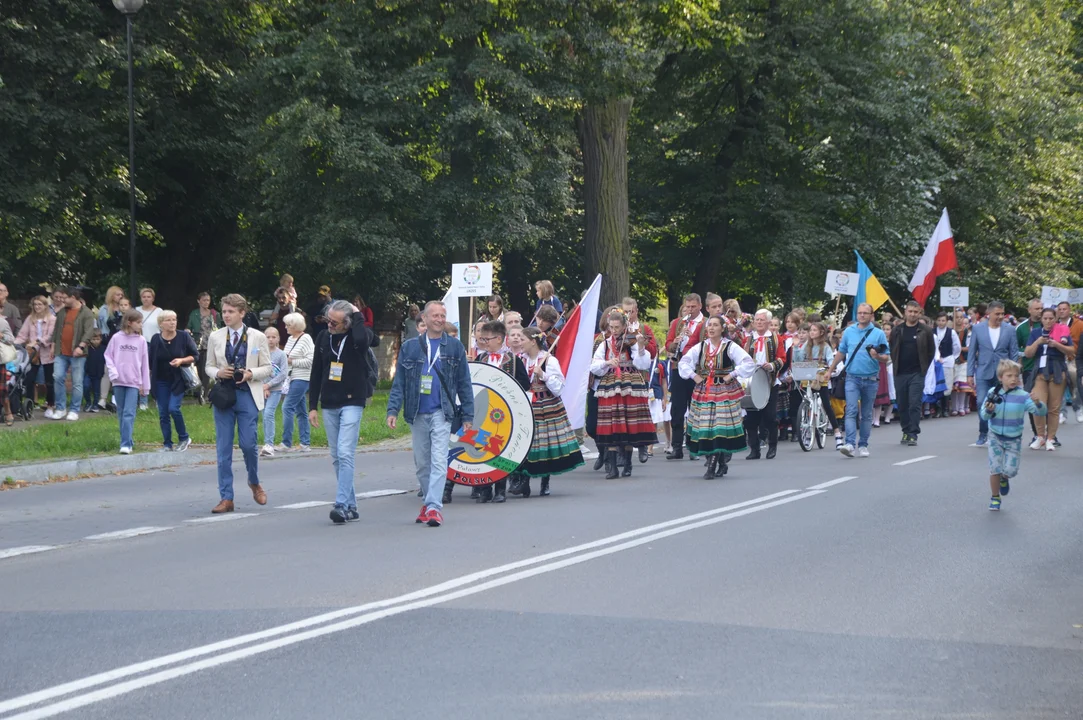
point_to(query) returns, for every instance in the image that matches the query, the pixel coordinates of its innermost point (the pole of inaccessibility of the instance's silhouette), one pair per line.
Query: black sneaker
(351, 513)
(339, 516)
(905, 439)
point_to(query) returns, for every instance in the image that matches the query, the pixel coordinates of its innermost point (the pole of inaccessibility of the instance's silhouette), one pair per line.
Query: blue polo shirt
(862, 365)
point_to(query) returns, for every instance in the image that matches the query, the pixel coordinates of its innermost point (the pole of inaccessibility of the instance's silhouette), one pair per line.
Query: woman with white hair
(169, 352)
(299, 349)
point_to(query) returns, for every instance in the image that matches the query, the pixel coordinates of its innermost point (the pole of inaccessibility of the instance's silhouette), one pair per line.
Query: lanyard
(341, 346)
(433, 358)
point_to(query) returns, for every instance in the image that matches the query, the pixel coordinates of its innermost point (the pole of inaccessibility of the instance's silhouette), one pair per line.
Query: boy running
(1005, 407)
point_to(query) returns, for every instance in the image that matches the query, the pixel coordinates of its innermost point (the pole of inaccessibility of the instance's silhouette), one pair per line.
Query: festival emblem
(503, 429)
(471, 275)
(955, 295)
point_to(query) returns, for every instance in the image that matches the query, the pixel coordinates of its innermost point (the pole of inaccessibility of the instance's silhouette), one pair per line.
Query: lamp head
(128, 7)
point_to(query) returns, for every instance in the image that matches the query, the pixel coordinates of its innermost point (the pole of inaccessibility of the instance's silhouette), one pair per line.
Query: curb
(142, 461)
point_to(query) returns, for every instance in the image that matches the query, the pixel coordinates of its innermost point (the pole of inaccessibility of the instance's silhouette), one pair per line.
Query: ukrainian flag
(869, 289)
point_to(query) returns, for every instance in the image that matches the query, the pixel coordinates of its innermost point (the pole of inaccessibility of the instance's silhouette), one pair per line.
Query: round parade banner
(503, 429)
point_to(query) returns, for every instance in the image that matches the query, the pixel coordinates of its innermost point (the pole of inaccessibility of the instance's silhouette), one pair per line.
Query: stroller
(17, 373)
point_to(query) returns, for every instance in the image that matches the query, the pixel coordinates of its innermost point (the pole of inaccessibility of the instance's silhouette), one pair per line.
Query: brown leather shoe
(223, 507)
(258, 494)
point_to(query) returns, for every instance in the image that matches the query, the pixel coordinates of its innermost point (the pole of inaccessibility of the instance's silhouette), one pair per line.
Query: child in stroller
(13, 385)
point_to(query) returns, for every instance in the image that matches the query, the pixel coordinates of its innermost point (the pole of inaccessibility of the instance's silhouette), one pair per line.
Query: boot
(643, 454)
(723, 466)
(500, 490)
(753, 443)
(771, 450)
(485, 494)
(627, 472)
(544, 488)
(712, 462)
(611, 471)
(448, 487)
(475, 492)
(526, 486)
(517, 481)
(677, 453)
(600, 462)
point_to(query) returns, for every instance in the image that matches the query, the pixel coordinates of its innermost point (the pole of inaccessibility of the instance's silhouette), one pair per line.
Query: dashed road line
(130, 533)
(305, 505)
(829, 483)
(221, 518)
(26, 550)
(911, 461)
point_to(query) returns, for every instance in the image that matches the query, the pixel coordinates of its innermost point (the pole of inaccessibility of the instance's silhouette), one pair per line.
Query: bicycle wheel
(805, 429)
(821, 423)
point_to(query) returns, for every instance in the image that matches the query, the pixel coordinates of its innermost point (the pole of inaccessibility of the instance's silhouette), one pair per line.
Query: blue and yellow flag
(869, 289)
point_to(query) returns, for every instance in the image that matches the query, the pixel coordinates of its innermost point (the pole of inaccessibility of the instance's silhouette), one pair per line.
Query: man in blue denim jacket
(432, 372)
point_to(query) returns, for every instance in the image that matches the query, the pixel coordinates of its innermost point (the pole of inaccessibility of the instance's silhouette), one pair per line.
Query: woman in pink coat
(36, 335)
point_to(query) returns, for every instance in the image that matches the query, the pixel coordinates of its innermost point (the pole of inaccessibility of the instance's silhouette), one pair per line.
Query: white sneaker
(281, 448)
(1050, 447)
(847, 450)
(125, 451)
(304, 448)
(862, 452)
(1079, 415)
(72, 415)
(1063, 417)
(1038, 443)
(50, 414)
(267, 451)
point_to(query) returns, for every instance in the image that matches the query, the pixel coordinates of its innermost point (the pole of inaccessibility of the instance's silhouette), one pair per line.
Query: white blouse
(641, 359)
(743, 363)
(551, 375)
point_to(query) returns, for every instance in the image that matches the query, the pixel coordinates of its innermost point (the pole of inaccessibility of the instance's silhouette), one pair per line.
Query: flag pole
(898, 312)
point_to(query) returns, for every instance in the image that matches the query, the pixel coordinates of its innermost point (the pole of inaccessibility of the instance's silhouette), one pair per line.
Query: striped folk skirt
(624, 414)
(715, 420)
(555, 449)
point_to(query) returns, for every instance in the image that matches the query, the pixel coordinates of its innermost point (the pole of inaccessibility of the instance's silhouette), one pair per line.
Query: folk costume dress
(716, 423)
(624, 416)
(555, 449)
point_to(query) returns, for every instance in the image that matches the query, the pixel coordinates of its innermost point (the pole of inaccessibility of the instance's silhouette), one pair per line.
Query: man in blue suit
(990, 342)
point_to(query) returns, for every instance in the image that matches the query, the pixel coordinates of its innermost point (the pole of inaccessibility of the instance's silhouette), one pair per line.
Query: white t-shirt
(150, 322)
(994, 335)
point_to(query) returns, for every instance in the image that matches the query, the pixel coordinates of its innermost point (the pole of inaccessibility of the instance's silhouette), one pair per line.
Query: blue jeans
(983, 387)
(859, 390)
(169, 406)
(244, 416)
(127, 401)
(431, 434)
(296, 404)
(343, 426)
(269, 406)
(60, 374)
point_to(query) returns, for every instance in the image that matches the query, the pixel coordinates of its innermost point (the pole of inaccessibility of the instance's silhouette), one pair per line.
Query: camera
(238, 374)
(996, 399)
(881, 348)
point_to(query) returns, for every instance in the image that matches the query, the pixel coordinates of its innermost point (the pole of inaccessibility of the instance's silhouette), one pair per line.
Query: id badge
(335, 373)
(426, 384)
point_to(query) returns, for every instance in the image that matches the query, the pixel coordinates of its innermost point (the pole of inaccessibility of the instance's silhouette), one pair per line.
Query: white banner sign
(1053, 295)
(1075, 296)
(841, 283)
(472, 279)
(954, 296)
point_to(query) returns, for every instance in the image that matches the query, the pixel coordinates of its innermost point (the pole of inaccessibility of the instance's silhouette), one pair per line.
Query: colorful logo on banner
(471, 275)
(503, 428)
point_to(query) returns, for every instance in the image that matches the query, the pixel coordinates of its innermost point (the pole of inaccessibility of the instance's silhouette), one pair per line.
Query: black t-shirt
(908, 351)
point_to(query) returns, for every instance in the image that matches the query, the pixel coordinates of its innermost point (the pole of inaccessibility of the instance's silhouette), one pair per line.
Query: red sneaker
(435, 518)
(423, 515)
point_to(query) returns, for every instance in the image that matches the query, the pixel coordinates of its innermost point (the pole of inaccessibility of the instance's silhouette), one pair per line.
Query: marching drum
(757, 390)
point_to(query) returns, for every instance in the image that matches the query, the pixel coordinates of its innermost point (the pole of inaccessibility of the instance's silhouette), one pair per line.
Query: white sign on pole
(451, 305)
(1053, 295)
(954, 296)
(1075, 296)
(841, 283)
(472, 279)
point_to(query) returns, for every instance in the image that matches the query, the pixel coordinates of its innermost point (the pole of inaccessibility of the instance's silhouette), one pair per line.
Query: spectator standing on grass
(151, 316)
(365, 310)
(128, 365)
(70, 337)
(58, 300)
(409, 328)
(283, 307)
(94, 373)
(169, 352)
(9, 311)
(6, 338)
(299, 348)
(316, 311)
(272, 391)
(36, 336)
(240, 359)
(341, 383)
(201, 323)
(109, 309)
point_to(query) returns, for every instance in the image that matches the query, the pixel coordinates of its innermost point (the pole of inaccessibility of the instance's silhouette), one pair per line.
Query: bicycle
(813, 425)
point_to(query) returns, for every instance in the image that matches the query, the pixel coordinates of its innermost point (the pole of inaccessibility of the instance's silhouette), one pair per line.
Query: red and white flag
(939, 257)
(574, 351)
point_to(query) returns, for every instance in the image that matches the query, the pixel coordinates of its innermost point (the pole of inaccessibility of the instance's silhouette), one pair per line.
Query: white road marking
(911, 461)
(25, 550)
(130, 533)
(829, 483)
(221, 518)
(381, 493)
(166, 675)
(305, 505)
(418, 595)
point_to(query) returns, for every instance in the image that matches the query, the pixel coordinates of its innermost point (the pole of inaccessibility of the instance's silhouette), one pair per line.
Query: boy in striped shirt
(1005, 408)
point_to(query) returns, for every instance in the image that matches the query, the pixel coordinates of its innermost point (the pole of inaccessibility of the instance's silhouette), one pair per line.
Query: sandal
(9, 420)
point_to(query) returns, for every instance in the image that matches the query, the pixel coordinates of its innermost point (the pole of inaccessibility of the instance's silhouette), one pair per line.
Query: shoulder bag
(838, 390)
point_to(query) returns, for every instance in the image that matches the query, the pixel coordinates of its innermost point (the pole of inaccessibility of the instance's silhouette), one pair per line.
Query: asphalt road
(782, 591)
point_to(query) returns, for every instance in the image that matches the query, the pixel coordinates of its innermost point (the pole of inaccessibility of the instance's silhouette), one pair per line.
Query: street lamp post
(129, 8)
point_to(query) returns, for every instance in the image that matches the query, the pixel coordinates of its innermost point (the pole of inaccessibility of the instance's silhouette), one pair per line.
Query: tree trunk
(603, 138)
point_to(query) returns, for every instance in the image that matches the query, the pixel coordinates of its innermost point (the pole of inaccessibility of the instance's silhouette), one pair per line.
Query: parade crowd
(721, 382)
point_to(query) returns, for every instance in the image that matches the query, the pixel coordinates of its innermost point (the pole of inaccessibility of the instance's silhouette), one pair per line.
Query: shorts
(657, 414)
(1004, 455)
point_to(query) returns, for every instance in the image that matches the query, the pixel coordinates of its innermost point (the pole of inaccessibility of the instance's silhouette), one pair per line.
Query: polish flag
(939, 257)
(574, 350)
